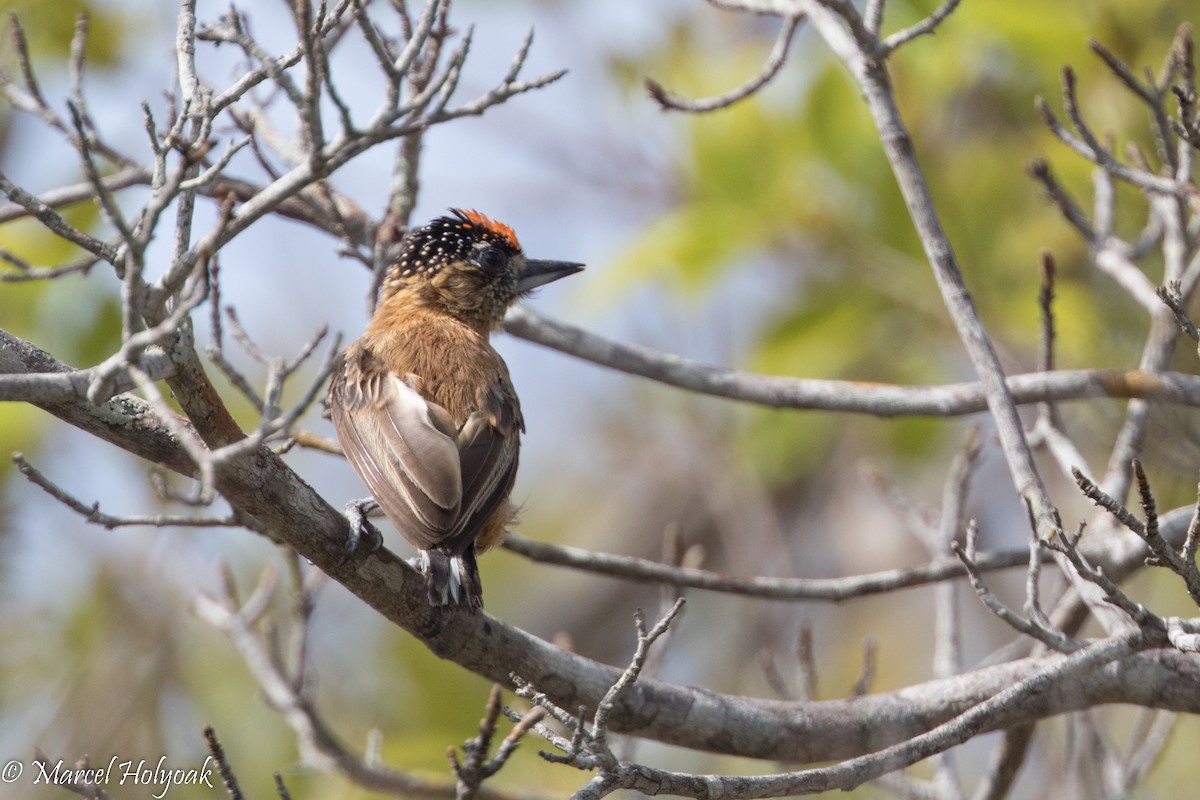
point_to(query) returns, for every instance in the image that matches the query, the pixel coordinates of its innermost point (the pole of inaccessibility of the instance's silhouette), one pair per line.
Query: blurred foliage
(790, 187)
(83, 333)
(795, 177)
(49, 28)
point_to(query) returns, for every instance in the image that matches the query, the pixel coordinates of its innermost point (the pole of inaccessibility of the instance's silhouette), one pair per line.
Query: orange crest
(490, 227)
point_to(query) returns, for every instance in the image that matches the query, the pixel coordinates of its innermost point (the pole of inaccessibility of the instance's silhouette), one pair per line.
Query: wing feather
(438, 484)
(489, 467)
(401, 448)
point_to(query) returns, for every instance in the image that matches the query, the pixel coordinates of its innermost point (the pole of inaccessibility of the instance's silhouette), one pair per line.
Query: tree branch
(857, 397)
(286, 509)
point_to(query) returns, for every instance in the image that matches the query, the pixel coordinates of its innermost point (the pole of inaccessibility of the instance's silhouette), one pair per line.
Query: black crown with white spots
(450, 240)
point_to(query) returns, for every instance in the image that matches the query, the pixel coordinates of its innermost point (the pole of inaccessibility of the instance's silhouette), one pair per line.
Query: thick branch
(876, 399)
(261, 485)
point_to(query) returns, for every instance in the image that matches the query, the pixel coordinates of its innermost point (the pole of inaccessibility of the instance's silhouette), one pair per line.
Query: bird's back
(457, 366)
(428, 418)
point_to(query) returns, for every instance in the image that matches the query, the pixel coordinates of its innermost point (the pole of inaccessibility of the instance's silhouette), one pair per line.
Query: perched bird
(424, 406)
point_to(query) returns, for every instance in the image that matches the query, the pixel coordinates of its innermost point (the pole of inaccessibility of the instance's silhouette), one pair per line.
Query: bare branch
(55, 223)
(1163, 554)
(1100, 498)
(645, 639)
(74, 384)
(471, 773)
(1040, 170)
(1088, 145)
(1171, 296)
(1047, 636)
(866, 678)
(93, 514)
(925, 27)
(218, 753)
(75, 193)
(320, 748)
(829, 589)
(1138, 614)
(1192, 541)
(420, 89)
(855, 772)
(1146, 745)
(881, 400)
(775, 61)
(21, 45)
(288, 510)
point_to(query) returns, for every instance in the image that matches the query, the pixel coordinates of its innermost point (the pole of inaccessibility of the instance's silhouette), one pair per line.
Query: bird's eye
(492, 260)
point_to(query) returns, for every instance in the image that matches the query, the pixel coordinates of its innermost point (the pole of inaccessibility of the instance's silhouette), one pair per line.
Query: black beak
(539, 273)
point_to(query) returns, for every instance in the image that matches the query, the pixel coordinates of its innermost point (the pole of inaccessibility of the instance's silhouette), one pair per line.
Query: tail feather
(452, 579)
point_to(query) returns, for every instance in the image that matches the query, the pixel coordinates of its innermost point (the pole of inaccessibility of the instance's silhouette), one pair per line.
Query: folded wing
(437, 483)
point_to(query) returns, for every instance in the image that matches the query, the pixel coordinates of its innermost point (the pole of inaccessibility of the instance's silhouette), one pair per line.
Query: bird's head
(468, 266)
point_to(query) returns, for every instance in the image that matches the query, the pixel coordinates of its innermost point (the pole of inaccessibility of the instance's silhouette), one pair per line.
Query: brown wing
(488, 453)
(435, 483)
(402, 447)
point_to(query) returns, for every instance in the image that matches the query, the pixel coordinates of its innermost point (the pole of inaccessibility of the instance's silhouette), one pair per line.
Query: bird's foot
(363, 534)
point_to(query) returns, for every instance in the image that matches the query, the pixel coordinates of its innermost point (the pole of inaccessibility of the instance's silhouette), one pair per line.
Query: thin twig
(226, 771)
(1047, 636)
(829, 589)
(775, 61)
(94, 515)
(319, 747)
(925, 27)
(1102, 499)
(1171, 296)
(645, 640)
(477, 767)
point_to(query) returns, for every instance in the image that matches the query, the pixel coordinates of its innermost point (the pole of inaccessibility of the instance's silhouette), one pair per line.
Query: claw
(362, 531)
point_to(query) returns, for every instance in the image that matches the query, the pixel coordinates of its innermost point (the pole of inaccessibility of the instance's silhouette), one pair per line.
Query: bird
(423, 405)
